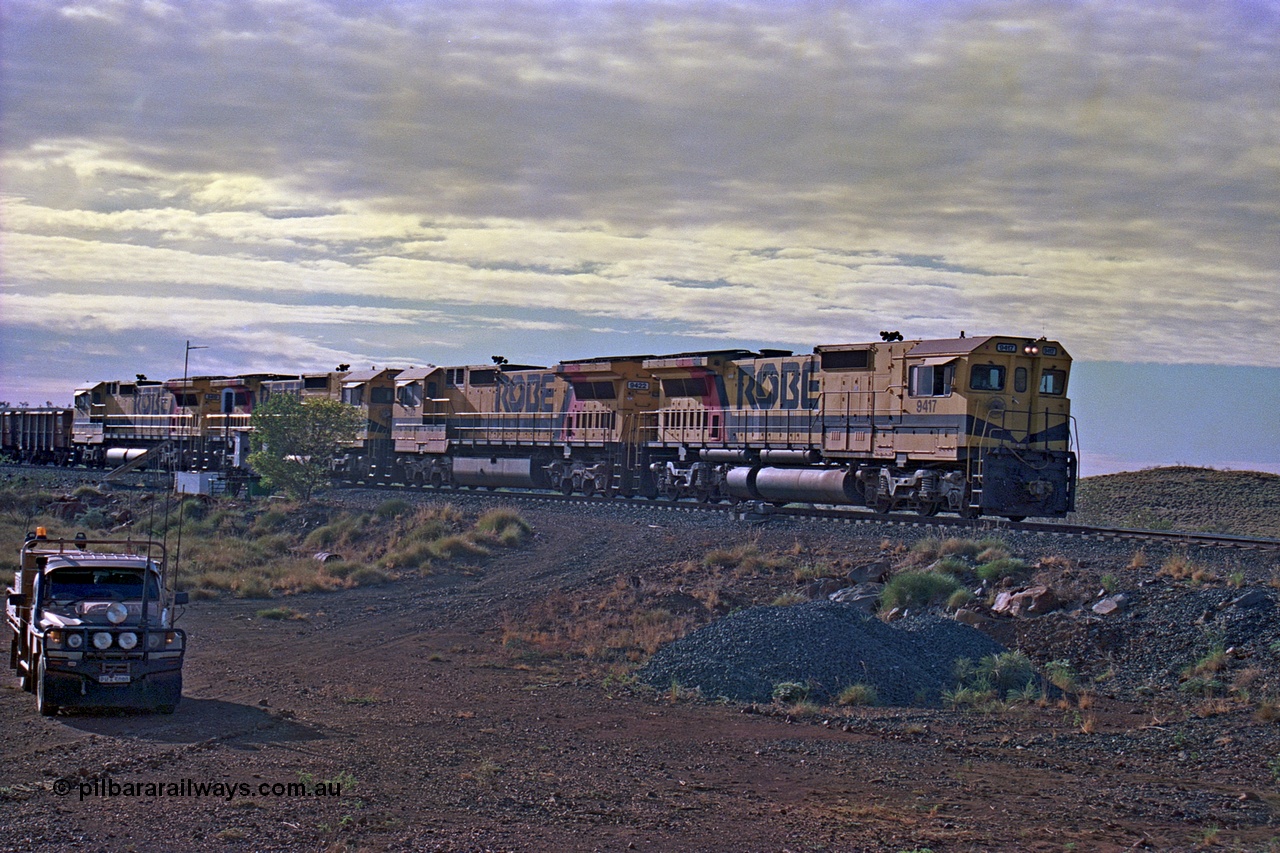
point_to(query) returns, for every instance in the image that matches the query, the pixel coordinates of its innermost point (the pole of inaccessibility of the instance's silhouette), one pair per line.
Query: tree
(295, 442)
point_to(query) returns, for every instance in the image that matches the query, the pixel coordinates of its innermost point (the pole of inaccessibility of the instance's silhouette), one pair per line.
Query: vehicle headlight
(128, 640)
(75, 640)
(117, 613)
(101, 640)
(154, 639)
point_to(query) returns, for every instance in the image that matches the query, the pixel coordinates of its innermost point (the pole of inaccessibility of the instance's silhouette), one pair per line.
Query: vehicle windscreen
(98, 584)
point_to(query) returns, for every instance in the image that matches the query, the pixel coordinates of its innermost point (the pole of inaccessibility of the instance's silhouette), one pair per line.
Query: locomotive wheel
(566, 486)
(436, 480)
(929, 508)
(883, 504)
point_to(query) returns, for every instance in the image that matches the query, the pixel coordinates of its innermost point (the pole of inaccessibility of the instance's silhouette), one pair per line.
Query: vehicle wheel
(43, 705)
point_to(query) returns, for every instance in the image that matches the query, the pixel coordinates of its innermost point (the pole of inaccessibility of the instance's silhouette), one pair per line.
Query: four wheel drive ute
(91, 624)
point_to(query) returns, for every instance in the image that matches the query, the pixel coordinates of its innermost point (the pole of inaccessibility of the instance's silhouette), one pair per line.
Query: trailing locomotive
(974, 426)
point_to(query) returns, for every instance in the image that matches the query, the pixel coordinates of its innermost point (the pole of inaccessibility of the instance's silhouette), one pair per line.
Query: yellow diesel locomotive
(969, 425)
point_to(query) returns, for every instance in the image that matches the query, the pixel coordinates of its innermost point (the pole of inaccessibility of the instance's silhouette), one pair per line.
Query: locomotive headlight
(75, 640)
(128, 640)
(101, 640)
(1031, 349)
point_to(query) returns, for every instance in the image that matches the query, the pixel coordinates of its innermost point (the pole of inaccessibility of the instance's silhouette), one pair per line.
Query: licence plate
(113, 679)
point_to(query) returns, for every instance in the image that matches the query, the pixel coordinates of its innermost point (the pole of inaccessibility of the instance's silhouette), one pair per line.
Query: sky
(295, 184)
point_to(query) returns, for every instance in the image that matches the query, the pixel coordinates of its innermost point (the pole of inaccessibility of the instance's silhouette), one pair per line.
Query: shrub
(1006, 671)
(415, 555)
(392, 508)
(271, 521)
(1061, 674)
(951, 565)
(506, 525)
(790, 692)
(926, 550)
(959, 599)
(369, 576)
(959, 548)
(456, 546)
(907, 589)
(337, 532)
(1001, 568)
(94, 519)
(858, 694)
(281, 613)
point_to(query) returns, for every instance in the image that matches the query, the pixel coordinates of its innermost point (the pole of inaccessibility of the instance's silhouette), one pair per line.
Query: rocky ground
(452, 712)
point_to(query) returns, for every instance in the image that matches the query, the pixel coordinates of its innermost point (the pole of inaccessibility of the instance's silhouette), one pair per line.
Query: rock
(824, 587)
(864, 596)
(1031, 601)
(869, 572)
(972, 618)
(1253, 598)
(1111, 604)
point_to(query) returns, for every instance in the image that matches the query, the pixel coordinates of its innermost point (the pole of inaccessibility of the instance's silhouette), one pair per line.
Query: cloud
(755, 173)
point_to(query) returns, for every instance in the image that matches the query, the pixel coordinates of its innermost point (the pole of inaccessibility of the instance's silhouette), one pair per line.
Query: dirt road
(422, 732)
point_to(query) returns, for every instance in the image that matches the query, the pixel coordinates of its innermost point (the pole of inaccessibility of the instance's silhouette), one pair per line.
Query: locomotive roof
(412, 374)
(948, 346)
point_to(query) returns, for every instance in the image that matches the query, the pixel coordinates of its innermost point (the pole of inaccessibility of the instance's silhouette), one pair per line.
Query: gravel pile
(825, 645)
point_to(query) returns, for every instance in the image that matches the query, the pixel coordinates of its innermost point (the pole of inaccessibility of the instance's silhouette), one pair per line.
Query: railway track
(756, 512)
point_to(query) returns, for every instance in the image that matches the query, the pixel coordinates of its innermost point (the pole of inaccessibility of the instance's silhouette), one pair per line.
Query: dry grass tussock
(260, 550)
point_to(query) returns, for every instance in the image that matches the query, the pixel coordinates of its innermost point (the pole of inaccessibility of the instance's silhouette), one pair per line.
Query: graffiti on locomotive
(791, 384)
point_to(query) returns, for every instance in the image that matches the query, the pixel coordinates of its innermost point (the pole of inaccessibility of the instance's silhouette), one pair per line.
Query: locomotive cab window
(931, 380)
(987, 377)
(1053, 381)
(410, 395)
(1020, 379)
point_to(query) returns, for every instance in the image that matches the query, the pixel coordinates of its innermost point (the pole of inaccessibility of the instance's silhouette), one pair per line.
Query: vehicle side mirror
(17, 599)
(181, 598)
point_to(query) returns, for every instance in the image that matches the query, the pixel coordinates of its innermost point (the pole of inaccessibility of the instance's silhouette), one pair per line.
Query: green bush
(790, 692)
(1001, 568)
(917, 588)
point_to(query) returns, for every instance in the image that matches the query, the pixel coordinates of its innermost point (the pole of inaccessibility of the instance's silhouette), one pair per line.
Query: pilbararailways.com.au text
(189, 788)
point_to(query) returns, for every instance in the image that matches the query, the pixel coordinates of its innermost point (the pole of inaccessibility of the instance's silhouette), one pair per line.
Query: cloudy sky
(294, 184)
